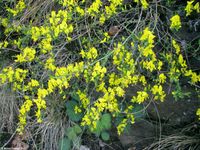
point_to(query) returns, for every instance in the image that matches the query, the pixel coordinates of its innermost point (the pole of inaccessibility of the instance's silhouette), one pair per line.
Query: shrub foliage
(88, 53)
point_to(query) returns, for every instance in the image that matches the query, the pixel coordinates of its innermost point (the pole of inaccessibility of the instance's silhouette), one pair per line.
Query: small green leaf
(71, 113)
(138, 111)
(105, 136)
(64, 144)
(98, 129)
(77, 129)
(71, 134)
(106, 121)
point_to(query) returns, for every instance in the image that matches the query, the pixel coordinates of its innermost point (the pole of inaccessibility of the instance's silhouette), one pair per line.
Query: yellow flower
(20, 74)
(119, 91)
(144, 4)
(121, 126)
(41, 104)
(91, 54)
(102, 19)
(24, 109)
(101, 87)
(181, 61)
(27, 55)
(141, 97)
(45, 45)
(175, 22)
(162, 78)
(157, 90)
(94, 7)
(18, 8)
(98, 71)
(85, 101)
(80, 11)
(91, 117)
(42, 93)
(33, 83)
(143, 80)
(198, 113)
(160, 64)
(149, 65)
(50, 64)
(147, 35)
(176, 46)
(194, 78)
(196, 7)
(77, 109)
(189, 7)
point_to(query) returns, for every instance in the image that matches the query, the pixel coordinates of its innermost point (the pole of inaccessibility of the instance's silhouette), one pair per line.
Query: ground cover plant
(69, 63)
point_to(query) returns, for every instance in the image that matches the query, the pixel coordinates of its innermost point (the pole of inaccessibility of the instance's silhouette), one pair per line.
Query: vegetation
(64, 65)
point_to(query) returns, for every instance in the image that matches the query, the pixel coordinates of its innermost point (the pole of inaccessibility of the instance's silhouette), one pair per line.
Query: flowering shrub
(70, 54)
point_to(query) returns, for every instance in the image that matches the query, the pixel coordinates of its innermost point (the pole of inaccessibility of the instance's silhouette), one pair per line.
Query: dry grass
(8, 114)
(188, 138)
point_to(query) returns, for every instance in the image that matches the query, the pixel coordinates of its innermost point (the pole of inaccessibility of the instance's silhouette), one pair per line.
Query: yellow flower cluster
(94, 8)
(176, 46)
(98, 72)
(10, 26)
(121, 126)
(18, 8)
(16, 77)
(85, 101)
(31, 84)
(175, 22)
(129, 65)
(45, 44)
(158, 92)
(7, 74)
(37, 32)
(27, 55)
(162, 78)
(149, 63)
(25, 108)
(50, 64)
(143, 2)
(129, 112)
(111, 9)
(68, 3)
(193, 75)
(91, 54)
(3, 44)
(107, 102)
(91, 117)
(80, 10)
(183, 66)
(63, 75)
(141, 97)
(190, 7)
(39, 101)
(59, 23)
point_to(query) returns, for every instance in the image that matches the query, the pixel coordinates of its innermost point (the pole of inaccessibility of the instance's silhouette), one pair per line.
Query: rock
(175, 113)
(83, 147)
(171, 113)
(141, 134)
(17, 143)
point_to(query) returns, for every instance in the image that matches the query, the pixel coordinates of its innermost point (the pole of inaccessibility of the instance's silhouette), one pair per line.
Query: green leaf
(71, 134)
(105, 136)
(64, 144)
(106, 121)
(77, 129)
(98, 129)
(138, 111)
(70, 111)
